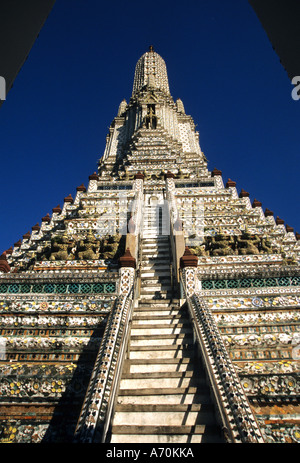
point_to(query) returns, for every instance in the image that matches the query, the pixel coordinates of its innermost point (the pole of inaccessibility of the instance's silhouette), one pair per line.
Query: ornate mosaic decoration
(68, 287)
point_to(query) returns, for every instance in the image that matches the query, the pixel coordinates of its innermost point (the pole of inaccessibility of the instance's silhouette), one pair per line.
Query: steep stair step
(165, 434)
(158, 302)
(166, 283)
(157, 246)
(159, 278)
(155, 291)
(160, 380)
(149, 260)
(179, 395)
(152, 233)
(154, 286)
(164, 325)
(137, 352)
(162, 415)
(159, 329)
(159, 266)
(148, 305)
(156, 294)
(154, 252)
(143, 366)
(153, 273)
(161, 239)
(143, 313)
(167, 319)
(161, 340)
(174, 350)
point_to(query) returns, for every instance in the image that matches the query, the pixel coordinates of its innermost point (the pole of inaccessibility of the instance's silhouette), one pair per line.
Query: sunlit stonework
(157, 305)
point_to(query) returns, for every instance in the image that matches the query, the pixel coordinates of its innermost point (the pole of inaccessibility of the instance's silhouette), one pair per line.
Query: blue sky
(220, 63)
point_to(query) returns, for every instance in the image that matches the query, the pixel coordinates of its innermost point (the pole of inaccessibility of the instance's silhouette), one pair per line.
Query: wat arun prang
(155, 238)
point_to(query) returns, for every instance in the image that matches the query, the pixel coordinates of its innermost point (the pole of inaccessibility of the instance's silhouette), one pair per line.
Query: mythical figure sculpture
(200, 250)
(266, 246)
(287, 259)
(127, 175)
(62, 248)
(181, 174)
(151, 118)
(248, 243)
(109, 246)
(222, 245)
(123, 175)
(89, 248)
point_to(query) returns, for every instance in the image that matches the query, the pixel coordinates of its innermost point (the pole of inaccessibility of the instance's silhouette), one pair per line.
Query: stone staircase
(163, 395)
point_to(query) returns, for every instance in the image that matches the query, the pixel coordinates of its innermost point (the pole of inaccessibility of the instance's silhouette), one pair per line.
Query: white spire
(151, 68)
(122, 107)
(180, 106)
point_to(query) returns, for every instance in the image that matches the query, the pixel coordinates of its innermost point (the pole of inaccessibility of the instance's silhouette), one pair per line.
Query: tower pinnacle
(152, 65)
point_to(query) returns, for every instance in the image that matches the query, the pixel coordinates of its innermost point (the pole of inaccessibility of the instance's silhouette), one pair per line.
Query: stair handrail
(119, 364)
(97, 409)
(139, 248)
(174, 233)
(237, 420)
(131, 298)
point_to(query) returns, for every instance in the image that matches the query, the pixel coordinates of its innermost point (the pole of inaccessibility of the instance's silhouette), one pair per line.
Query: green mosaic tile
(58, 288)
(295, 281)
(49, 288)
(270, 282)
(206, 284)
(85, 288)
(220, 284)
(37, 288)
(24, 288)
(74, 288)
(13, 288)
(245, 283)
(61, 288)
(251, 282)
(232, 284)
(3, 288)
(98, 287)
(110, 287)
(258, 282)
(283, 281)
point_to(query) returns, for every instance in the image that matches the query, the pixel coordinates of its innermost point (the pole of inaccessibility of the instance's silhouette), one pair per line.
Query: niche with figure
(151, 118)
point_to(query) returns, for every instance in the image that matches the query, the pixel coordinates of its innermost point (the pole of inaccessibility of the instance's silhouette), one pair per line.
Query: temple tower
(157, 305)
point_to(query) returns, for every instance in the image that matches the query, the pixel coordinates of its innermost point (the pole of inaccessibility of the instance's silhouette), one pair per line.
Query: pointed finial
(151, 48)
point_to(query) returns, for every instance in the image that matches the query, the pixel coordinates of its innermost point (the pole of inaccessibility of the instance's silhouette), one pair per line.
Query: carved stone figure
(222, 245)
(248, 243)
(146, 175)
(151, 118)
(288, 260)
(109, 246)
(266, 246)
(62, 248)
(89, 248)
(181, 174)
(127, 175)
(200, 250)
